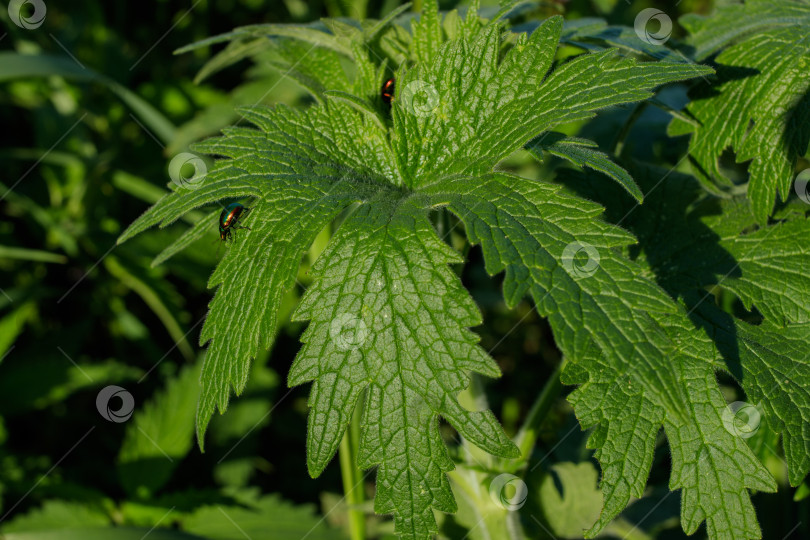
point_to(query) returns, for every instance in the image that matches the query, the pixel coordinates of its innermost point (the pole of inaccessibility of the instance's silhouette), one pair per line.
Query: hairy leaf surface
(760, 109)
(691, 241)
(388, 320)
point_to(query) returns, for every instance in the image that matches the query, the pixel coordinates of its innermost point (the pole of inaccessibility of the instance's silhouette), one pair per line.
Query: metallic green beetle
(228, 219)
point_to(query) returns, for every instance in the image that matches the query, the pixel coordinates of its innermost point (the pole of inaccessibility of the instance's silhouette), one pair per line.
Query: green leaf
(312, 34)
(147, 289)
(759, 108)
(234, 52)
(735, 22)
(108, 533)
(773, 366)
(159, 435)
(359, 104)
(329, 172)
(691, 241)
(580, 152)
(466, 111)
(595, 34)
(196, 232)
(522, 231)
(802, 492)
(12, 324)
(56, 514)
(618, 330)
(306, 53)
(25, 254)
(37, 381)
(716, 242)
(478, 512)
(170, 506)
(427, 33)
(573, 509)
(222, 113)
(17, 66)
(266, 518)
(385, 22)
(772, 263)
(398, 328)
(388, 319)
(316, 69)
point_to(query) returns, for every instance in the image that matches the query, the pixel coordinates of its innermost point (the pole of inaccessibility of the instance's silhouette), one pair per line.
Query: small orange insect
(387, 91)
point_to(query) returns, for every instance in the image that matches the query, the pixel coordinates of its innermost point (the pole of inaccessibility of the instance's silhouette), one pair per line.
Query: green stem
(360, 9)
(333, 8)
(441, 223)
(618, 143)
(513, 526)
(353, 477)
(527, 435)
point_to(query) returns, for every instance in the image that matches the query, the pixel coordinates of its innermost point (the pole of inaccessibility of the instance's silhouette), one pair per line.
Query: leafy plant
(388, 319)
(759, 106)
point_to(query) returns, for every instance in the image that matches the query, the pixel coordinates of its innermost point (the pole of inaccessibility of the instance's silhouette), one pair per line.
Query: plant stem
(360, 10)
(618, 143)
(513, 526)
(527, 435)
(442, 224)
(353, 477)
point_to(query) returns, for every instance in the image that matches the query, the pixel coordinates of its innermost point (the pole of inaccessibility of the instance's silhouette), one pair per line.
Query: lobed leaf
(734, 22)
(692, 242)
(759, 108)
(467, 110)
(389, 321)
(387, 316)
(620, 329)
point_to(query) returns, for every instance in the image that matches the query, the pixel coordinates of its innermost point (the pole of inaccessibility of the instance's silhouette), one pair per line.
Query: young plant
(388, 318)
